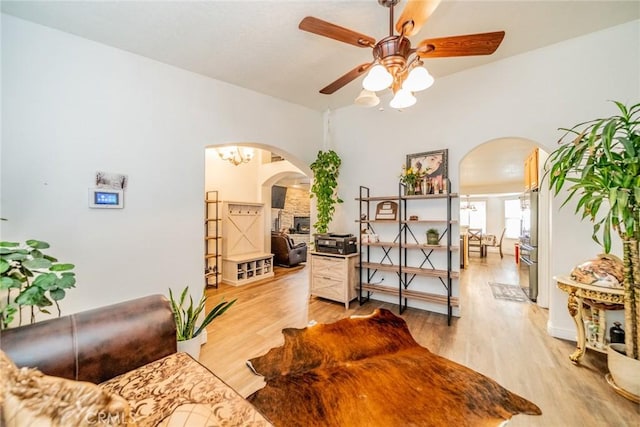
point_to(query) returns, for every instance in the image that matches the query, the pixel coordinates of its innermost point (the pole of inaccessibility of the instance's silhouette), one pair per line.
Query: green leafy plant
(601, 167)
(31, 278)
(186, 316)
(409, 176)
(326, 169)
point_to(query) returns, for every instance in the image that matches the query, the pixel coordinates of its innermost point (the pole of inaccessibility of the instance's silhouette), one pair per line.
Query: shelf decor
(411, 178)
(387, 210)
(432, 166)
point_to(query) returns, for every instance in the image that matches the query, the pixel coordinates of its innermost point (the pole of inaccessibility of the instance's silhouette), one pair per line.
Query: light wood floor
(504, 340)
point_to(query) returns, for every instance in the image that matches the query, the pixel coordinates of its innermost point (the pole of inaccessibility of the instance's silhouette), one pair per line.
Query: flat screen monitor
(278, 196)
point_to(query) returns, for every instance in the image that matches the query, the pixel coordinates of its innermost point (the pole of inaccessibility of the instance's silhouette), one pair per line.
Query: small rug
(368, 371)
(507, 292)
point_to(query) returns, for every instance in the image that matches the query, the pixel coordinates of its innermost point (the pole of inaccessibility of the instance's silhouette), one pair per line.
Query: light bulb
(418, 79)
(377, 79)
(402, 99)
(247, 153)
(367, 99)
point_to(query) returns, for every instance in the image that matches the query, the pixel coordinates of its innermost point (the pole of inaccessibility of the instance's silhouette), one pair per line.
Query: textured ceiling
(257, 44)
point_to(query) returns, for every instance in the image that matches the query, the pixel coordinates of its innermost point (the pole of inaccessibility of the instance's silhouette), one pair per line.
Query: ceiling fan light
(367, 98)
(402, 99)
(418, 79)
(377, 79)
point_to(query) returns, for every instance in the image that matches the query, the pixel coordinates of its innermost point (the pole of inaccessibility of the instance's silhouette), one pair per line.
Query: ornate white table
(597, 298)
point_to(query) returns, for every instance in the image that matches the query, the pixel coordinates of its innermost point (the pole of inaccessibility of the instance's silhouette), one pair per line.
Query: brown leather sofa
(129, 350)
(286, 252)
(98, 344)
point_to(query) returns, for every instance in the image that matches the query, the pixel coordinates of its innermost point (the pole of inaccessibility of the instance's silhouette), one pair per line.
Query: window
(512, 218)
(475, 215)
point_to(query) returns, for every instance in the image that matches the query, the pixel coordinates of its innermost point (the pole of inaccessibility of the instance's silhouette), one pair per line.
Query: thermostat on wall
(106, 198)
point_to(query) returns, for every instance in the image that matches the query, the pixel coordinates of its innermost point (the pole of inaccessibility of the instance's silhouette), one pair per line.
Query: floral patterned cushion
(171, 388)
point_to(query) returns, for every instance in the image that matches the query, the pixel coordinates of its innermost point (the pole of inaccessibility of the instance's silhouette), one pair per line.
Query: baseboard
(568, 334)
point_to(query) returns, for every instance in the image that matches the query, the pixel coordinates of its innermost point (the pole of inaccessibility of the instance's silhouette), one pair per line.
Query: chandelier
(236, 155)
(468, 206)
(397, 67)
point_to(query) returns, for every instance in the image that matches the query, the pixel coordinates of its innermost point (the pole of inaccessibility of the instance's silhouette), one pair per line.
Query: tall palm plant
(601, 166)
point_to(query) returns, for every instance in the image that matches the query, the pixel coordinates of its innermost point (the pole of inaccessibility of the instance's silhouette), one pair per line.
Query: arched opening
(495, 197)
(251, 183)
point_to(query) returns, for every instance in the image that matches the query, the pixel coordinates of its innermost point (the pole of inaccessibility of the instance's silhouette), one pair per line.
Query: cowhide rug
(369, 371)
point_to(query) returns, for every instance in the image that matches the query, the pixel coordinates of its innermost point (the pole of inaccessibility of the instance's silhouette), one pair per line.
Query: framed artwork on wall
(432, 165)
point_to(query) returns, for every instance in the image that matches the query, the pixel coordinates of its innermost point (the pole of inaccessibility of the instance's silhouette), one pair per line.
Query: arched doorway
(492, 180)
(251, 182)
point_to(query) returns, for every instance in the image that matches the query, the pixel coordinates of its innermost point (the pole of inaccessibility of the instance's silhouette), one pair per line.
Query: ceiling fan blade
(347, 78)
(467, 45)
(333, 31)
(416, 12)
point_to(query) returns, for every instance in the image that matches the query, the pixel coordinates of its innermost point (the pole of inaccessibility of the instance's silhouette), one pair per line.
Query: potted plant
(433, 236)
(410, 178)
(186, 317)
(600, 166)
(31, 278)
(326, 169)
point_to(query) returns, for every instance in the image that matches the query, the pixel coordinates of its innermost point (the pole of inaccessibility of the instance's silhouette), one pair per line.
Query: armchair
(286, 252)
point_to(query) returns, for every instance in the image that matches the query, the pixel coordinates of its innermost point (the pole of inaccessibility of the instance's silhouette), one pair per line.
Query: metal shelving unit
(403, 253)
(212, 239)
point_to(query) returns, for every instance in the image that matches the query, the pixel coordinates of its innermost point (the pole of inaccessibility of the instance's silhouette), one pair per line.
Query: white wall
(528, 96)
(71, 107)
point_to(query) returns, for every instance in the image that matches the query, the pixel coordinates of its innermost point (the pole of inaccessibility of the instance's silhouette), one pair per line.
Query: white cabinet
(243, 257)
(247, 268)
(334, 276)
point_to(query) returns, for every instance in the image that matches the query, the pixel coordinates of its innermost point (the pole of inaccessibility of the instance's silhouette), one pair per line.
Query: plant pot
(624, 372)
(191, 347)
(433, 239)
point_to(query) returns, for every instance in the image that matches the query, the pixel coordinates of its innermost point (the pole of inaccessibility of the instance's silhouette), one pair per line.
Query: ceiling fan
(396, 64)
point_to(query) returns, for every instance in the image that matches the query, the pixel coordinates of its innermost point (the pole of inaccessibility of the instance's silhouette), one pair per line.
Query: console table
(598, 299)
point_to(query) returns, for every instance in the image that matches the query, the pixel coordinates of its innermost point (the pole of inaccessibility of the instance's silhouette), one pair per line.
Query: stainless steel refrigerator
(529, 245)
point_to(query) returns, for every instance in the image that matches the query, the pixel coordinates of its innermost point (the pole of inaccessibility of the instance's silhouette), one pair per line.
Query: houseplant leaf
(186, 316)
(37, 264)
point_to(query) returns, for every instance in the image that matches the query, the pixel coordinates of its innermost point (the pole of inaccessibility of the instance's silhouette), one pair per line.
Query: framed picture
(432, 164)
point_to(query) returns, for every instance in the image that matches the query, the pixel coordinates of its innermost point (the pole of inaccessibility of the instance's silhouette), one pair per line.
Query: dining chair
(497, 244)
(474, 243)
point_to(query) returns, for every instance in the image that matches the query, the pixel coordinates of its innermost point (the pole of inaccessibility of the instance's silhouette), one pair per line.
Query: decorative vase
(191, 347)
(417, 189)
(410, 190)
(624, 372)
(427, 188)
